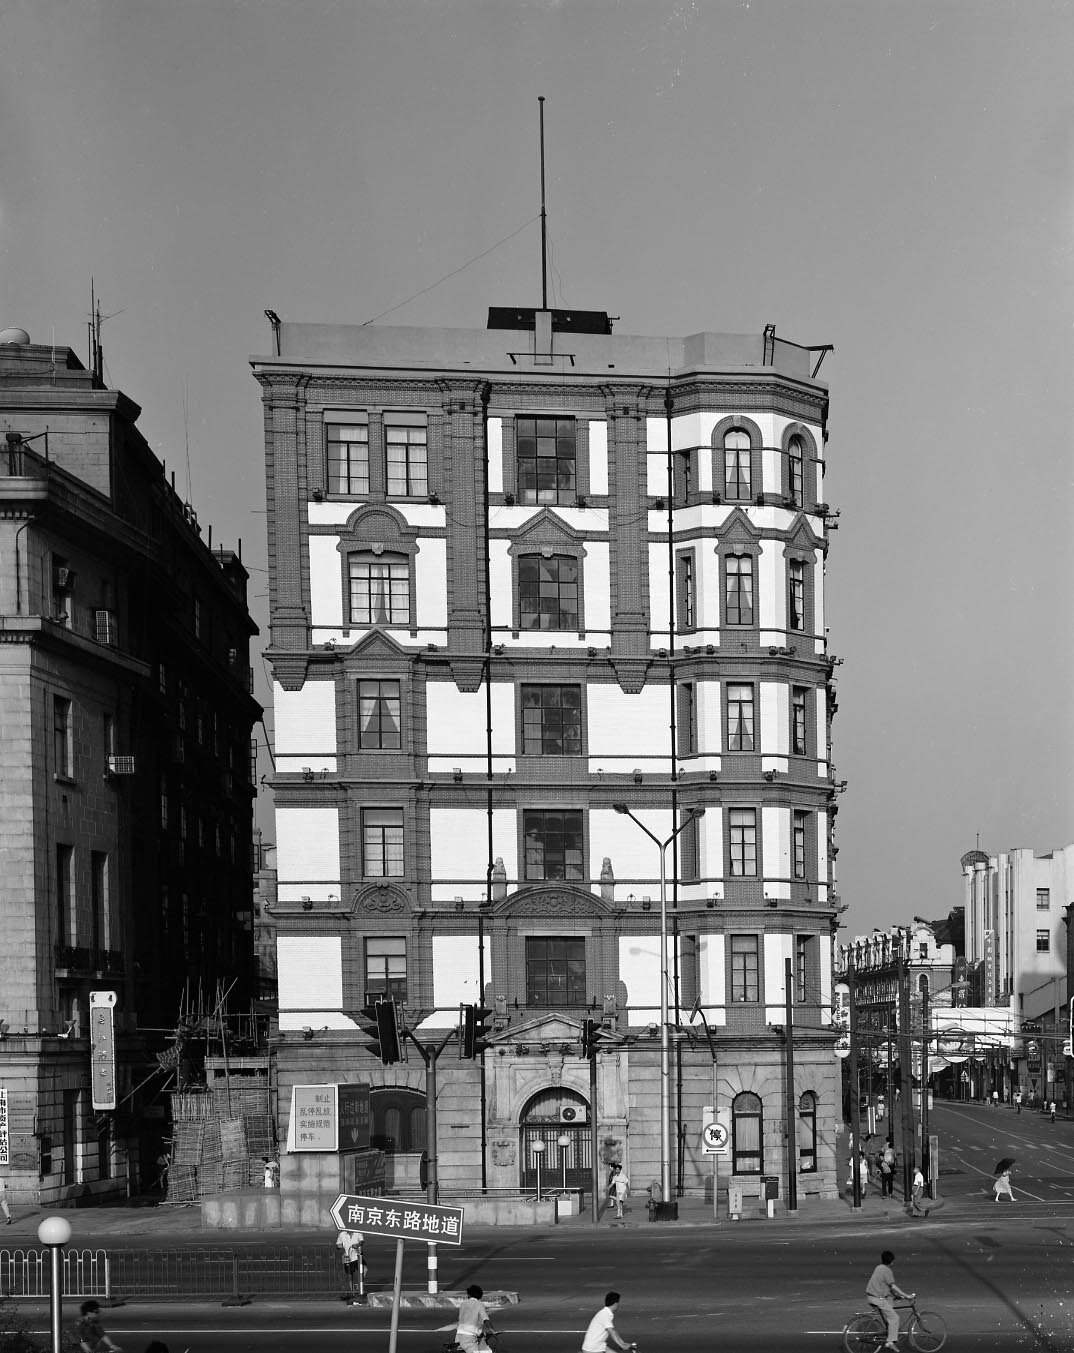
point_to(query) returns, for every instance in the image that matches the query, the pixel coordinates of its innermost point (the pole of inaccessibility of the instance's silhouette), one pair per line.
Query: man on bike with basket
(474, 1331)
(879, 1290)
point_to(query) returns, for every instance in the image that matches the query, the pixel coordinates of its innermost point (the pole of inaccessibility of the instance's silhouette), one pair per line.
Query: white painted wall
(458, 840)
(456, 966)
(310, 972)
(639, 969)
(430, 583)
(709, 720)
(825, 979)
(775, 718)
(456, 720)
(500, 586)
(598, 456)
(635, 859)
(495, 427)
(777, 949)
(775, 846)
(624, 728)
(712, 961)
(596, 580)
(307, 845)
(772, 588)
(326, 581)
(305, 720)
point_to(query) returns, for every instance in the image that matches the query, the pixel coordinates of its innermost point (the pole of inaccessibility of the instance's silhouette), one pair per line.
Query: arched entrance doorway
(559, 1118)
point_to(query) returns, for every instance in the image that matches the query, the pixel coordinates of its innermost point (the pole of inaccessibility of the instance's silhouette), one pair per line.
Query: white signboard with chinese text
(314, 1123)
(398, 1220)
(5, 1135)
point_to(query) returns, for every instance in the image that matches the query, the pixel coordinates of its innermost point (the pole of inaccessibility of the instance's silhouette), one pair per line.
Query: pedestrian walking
(1051, 1109)
(995, 1099)
(887, 1170)
(1018, 1100)
(917, 1195)
(91, 1333)
(1002, 1185)
(3, 1200)
(602, 1329)
(619, 1190)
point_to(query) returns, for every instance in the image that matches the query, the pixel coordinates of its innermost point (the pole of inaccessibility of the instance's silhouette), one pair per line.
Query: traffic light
(474, 1030)
(386, 1037)
(591, 1032)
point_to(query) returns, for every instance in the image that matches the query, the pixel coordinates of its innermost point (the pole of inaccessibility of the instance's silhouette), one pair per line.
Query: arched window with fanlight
(747, 1134)
(807, 1133)
(738, 477)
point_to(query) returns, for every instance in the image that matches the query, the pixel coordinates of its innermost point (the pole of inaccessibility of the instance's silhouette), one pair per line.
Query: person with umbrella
(1002, 1182)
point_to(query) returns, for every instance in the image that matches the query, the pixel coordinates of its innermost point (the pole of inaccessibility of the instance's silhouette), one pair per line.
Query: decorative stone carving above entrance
(552, 900)
(381, 898)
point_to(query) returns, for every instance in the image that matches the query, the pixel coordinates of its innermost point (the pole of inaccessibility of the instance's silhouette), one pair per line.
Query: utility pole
(906, 1077)
(792, 1104)
(926, 1163)
(855, 1101)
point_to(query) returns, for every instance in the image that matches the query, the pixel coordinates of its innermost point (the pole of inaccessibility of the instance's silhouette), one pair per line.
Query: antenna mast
(544, 220)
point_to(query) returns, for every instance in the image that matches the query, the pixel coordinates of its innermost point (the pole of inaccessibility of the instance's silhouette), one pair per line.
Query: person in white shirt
(3, 1200)
(879, 1290)
(602, 1329)
(474, 1325)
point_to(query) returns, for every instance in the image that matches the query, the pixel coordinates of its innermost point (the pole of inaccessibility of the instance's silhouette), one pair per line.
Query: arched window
(795, 462)
(747, 1143)
(736, 465)
(807, 1133)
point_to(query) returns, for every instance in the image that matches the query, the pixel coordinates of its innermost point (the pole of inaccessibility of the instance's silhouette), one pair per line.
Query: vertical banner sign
(5, 1137)
(102, 1049)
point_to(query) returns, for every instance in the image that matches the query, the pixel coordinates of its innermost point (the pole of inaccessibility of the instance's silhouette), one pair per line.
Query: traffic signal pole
(594, 1162)
(429, 1056)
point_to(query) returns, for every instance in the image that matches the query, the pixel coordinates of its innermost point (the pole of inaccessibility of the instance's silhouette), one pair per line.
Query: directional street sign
(714, 1139)
(401, 1221)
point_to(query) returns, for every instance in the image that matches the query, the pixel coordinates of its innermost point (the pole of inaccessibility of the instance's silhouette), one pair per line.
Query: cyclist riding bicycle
(879, 1290)
(474, 1326)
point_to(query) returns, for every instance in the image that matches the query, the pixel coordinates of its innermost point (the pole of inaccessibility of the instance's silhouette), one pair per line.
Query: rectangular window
(61, 735)
(801, 966)
(546, 460)
(379, 705)
(163, 803)
(348, 458)
(739, 585)
(796, 594)
(745, 968)
(740, 718)
(382, 843)
(385, 968)
(794, 470)
(555, 971)
(99, 937)
(553, 843)
(686, 718)
(798, 721)
(379, 590)
(65, 861)
(685, 593)
(408, 464)
(689, 854)
(742, 823)
(798, 843)
(1044, 899)
(548, 592)
(551, 720)
(1044, 941)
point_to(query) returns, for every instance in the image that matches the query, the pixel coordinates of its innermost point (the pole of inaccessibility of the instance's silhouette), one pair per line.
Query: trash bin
(664, 1211)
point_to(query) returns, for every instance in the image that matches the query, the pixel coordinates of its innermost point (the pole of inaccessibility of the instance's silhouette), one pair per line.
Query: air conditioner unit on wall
(573, 1113)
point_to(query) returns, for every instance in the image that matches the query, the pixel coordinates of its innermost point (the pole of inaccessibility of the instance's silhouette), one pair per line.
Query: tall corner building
(125, 780)
(521, 579)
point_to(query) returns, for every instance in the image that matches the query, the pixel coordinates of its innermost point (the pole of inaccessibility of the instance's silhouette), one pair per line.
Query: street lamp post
(563, 1141)
(55, 1232)
(665, 1072)
(538, 1151)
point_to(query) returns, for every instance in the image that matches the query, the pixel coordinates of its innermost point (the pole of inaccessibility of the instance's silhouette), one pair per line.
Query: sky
(896, 179)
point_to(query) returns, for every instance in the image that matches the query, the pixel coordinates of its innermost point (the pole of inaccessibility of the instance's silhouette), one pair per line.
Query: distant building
(522, 577)
(1018, 933)
(125, 772)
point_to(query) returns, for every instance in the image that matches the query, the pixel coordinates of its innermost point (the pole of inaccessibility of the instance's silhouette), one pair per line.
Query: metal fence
(216, 1271)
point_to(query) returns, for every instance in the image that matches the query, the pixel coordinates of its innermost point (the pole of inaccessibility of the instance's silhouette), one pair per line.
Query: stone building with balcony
(125, 773)
(521, 577)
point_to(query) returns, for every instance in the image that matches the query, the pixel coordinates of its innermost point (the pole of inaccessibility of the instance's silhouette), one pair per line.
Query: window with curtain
(742, 825)
(379, 707)
(798, 720)
(796, 590)
(738, 589)
(807, 1133)
(736, 455)
(747, 1134)
(347, 458)
(745, 968)
(685, 592)
(379, 589)
(740, 718)
(407, 454)
(795, 461)
(548, 592)
(546, 460)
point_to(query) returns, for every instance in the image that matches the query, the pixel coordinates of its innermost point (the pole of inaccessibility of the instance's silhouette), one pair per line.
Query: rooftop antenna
(544, 220)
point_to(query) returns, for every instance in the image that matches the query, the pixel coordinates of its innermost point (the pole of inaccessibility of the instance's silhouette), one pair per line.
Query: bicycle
(867, 1331)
